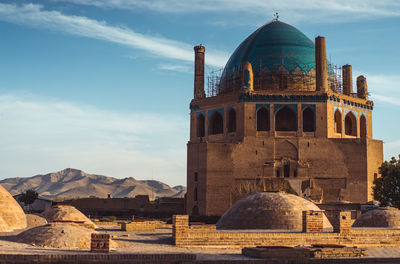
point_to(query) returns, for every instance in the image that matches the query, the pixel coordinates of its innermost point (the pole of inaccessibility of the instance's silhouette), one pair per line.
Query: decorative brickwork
(313, 221)
(100, 243)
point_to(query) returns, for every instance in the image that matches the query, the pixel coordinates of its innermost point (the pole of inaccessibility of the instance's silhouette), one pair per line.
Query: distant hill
(72, 183)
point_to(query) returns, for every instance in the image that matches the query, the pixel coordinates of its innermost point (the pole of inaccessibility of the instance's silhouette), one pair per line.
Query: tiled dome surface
(274, 44)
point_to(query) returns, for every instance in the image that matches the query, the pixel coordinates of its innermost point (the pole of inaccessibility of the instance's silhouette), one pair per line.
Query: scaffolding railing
(280, 79)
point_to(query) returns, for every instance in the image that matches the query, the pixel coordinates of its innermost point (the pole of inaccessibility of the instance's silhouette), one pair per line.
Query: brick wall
(187, 237)
(142, 225)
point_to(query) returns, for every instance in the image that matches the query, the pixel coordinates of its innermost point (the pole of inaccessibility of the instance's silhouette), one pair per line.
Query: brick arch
(216, 124)
(338, 121)
(262, 119)
(308, 120)
(350, 124)
(363, 127)
(232, 120)
(200, 123)
(286, 150)
(286, 119)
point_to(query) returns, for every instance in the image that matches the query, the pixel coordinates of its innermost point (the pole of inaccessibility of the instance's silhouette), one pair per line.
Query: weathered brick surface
(342, 221)
(184, 236)
(142, 225)
(313, 221)
(100, 243)
(180, 227)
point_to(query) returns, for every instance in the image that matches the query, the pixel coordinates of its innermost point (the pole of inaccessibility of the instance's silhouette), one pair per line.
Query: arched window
(216, 124)
(200, 125)
(338, 122)
(308, 120)
(195, 194)
(195, 210)
(350, 124)
(232, 120)
(285, 120)
(286, 170)
(363, 127)
(262, 119)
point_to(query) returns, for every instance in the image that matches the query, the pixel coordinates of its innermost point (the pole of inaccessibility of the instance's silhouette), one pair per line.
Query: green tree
(387, 188)
(28, 197)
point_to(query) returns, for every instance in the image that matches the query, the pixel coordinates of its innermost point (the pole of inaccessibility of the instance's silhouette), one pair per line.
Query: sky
(105, 85)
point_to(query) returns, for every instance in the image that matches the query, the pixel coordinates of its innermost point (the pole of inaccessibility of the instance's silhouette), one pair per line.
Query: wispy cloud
(36, 16)
(176, 67)
(52, 135)
(384, 88)
(293, 10)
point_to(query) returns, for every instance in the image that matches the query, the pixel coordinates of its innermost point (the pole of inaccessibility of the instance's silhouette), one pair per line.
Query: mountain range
(73, 183)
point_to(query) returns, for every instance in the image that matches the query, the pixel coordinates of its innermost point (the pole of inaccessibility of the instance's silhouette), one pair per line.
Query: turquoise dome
(272, 45)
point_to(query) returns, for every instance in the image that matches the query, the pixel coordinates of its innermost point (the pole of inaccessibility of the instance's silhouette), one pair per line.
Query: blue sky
(105, 85)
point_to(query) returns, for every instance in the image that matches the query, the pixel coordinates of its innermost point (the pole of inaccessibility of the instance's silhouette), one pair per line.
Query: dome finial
(276, 16)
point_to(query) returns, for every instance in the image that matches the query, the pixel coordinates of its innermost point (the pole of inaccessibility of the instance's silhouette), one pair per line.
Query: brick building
(279, 115)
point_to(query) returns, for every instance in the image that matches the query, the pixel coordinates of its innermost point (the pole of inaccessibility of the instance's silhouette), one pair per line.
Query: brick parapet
(342, 221)
(313, 221)
(180, 227)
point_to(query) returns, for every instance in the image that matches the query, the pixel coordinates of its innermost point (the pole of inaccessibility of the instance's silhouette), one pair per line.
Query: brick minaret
(347, 77)
(199, 72)
(320, 64)
(362, 88)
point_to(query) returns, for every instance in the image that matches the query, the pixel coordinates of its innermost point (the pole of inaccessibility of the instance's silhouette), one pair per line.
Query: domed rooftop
(11, 213)
(272, 45)
(59, 235)
(67, 214)
(380, 217)
(268, 210)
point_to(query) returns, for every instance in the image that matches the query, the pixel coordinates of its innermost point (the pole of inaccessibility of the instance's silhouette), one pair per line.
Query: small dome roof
(379, 217)
(268, 210)
(11, 212)
(272, 45)
(59, 235)
(67, 214)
